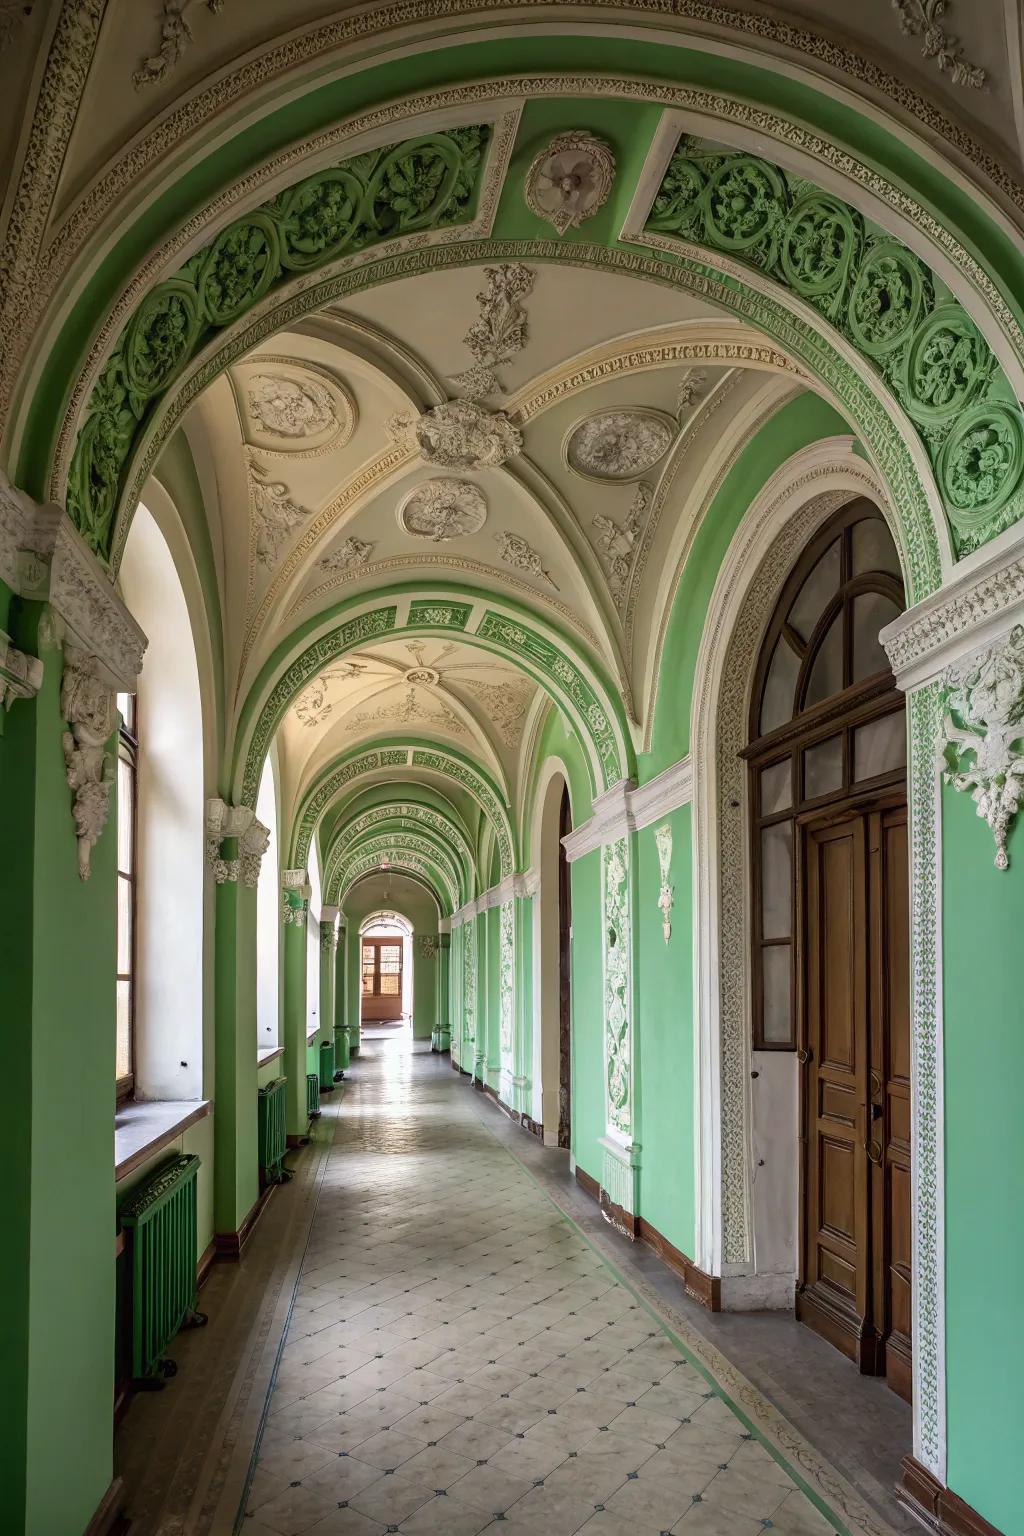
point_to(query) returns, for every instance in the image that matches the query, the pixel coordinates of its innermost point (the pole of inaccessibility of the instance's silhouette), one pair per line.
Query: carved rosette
(982, 751)
(87, 704)
(459, 434)
(570, 179)
(666, 894)
(618, 981)
(619, 445)
(443, 509)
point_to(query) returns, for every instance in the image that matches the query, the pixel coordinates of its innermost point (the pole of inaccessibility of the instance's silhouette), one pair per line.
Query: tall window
(127, 816)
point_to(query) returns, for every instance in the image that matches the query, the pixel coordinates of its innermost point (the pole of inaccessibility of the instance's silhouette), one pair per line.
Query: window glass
(873, 548)
(127, 787)
(881, 746)
(812, 599)
(776, 788)
(871, 612)
(777, 880)
(776, 984)
(779, 688)
(823, 768)
(826, 676)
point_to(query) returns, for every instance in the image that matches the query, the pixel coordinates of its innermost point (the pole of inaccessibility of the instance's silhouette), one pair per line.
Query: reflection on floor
(460, 1358)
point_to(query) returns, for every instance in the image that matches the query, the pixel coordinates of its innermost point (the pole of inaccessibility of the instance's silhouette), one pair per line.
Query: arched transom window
(826, 725)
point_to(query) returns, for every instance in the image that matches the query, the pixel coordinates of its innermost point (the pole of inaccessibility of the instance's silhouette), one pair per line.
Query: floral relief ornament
(458, 434)
(175, 36)
(500, 332)
(87, 704)
(666, 895)
(570, 179)
(443, 509)
(515, 551)
(290, 408)
(921, 18)
(983, 729)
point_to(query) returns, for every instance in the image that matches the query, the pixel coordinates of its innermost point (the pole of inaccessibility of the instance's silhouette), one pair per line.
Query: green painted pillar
(294, 908)
(328, 946)
(236, 1160)
(342, 1054)
(444, 1018)
(57, 963)
(354, 988)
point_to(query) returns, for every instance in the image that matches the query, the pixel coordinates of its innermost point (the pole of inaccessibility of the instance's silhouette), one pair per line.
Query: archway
(552, 919)
(386, 971)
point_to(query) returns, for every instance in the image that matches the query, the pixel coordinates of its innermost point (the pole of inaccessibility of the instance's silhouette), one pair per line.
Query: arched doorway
(830, 929)
(386, 970)
(552, 931)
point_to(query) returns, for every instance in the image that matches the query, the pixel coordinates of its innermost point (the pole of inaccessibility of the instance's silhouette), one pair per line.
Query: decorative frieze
(969, 612)
(982, 749)
(87, 704)
(666, 893)
(618, 985)
(506, 980)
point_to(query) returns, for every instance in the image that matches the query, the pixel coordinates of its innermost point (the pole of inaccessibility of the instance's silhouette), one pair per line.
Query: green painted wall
(665, 1055)
(797, 424)
(982, 922)
(587, 1015)
(424, 993)
(198, 1139)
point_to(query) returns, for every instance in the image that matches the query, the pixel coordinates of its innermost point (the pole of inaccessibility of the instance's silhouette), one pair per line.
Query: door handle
(803, 1057)
(874, 1152)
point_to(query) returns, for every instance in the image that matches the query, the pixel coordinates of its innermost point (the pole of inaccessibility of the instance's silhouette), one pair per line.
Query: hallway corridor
(459, 1358)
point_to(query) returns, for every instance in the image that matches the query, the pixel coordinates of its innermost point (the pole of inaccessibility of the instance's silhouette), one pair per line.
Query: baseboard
(939, 1508)
(205, 1264)
(758, 1293)
(108, 1517)
(524, 1121)
(700, 1286)
(230, 1245)
(291, 1142)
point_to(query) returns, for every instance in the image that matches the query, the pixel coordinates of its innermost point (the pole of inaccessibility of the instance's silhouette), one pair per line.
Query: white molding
(627, 807)
(43, 558)
(665, 793)
(969, 613)
(525, 883)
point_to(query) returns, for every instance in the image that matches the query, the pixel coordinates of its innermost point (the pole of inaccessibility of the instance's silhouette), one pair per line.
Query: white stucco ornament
(87, 704)
(618, 445)
(459, 434)
(443, 509)
(290, 408)
(666, 895)
(982, 750)
(570, 179)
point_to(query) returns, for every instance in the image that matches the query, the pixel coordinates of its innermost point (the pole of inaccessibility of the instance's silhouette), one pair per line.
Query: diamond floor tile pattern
(458, 1359)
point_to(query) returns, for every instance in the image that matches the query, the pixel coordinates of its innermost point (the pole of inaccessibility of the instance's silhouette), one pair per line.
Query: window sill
(311, 1034)
(268, 1053)
(140, 1130)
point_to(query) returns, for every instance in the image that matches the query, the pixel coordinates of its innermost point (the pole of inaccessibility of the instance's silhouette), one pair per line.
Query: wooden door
(855, 1131)
(382, 979)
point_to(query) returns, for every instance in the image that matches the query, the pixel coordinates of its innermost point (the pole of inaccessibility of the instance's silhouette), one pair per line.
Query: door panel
(855, 1032)
(833, 1295)
(382, 979)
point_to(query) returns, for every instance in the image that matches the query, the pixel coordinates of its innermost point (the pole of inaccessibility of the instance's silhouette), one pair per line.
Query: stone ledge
(142, 1129)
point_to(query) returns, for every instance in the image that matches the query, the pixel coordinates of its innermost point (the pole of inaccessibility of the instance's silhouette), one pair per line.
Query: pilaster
(328, 960)
(236, 1171)
(295, 893)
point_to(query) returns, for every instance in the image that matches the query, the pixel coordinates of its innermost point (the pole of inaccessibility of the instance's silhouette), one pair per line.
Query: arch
(381, 916)
(791, 506)
(871, 185)
(401, 865)
(552, 783)
(393, 818)
(345, 851)
(398, 851)
(405, 753)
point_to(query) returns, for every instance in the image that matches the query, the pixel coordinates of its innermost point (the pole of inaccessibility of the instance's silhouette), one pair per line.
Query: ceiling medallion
(423, 677)
(293, 409)
(443, 509)
(459, 434)
(619, 445)
(570, 180)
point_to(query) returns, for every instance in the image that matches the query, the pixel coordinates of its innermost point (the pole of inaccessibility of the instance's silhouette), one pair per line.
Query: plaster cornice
(627, 808)
(523, 883)
(970, 612)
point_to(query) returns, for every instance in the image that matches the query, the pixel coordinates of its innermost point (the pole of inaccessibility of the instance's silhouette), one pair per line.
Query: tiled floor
(460, 1359)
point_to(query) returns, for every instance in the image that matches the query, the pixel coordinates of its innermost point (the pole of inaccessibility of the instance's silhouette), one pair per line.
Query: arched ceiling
(442, 428)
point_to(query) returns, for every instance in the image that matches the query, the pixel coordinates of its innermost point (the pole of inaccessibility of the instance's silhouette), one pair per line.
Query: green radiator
(272, 1132)
(312, 1095)
(326, 1065)
(341, 1051)
(160, 1219)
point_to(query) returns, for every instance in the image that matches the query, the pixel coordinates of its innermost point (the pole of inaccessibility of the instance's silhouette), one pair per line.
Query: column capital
(87, 704)
(235, 821)
(21, 676)
(43, 558)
